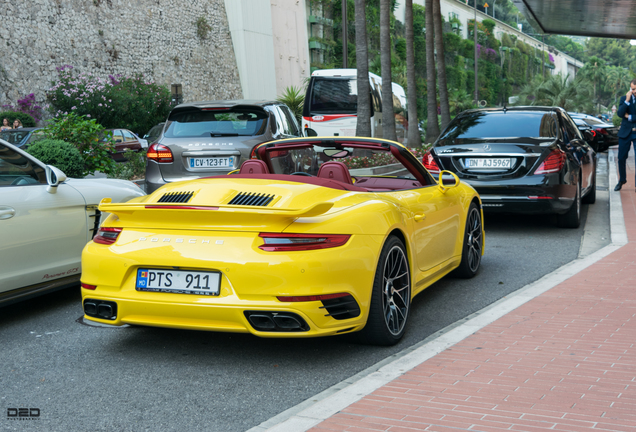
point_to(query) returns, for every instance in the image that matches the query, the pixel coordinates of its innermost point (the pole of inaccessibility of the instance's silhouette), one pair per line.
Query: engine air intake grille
(341, 308)
(176, 197)
(252, 199)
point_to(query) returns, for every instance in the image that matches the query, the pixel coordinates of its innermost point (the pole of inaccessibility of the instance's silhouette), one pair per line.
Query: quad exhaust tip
(100, 309)
(276, 321)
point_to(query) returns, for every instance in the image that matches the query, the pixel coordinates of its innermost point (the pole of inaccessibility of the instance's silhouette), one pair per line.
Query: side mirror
(589, 137)
(447, 180)
(54, 177)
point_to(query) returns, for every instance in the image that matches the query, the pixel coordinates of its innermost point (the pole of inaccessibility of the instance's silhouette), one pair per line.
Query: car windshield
(15, 136)
(502, 124)
(154, 133)
(215, 122)
(359, 161)
(334, 95)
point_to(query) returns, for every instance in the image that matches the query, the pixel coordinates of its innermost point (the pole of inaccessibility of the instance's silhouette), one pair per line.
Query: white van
(331, 105)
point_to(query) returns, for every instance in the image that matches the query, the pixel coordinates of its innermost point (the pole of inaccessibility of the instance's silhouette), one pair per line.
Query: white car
(45, 221)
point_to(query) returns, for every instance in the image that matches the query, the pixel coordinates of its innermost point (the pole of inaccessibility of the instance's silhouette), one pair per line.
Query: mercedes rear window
(216, 123)
(509, 124)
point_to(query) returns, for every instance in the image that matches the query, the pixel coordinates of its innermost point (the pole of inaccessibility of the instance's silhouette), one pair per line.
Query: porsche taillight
(107, 236)
(553, 163)
(601, 131)
(429, 163)
(159, 153)
(282, 242)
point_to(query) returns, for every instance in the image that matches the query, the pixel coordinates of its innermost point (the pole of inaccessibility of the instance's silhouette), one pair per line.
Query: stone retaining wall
(157, 38)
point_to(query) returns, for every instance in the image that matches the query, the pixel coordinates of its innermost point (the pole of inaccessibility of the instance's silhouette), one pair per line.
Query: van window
(334, 95)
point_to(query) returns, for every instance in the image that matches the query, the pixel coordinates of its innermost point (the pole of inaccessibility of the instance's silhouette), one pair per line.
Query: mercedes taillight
(429, 163)
(553, 163)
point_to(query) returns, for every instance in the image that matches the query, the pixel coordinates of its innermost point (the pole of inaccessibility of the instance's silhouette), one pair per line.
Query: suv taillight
(429, 163)
(553, 163)
(107, 236)
(159, 153)
(601, 131)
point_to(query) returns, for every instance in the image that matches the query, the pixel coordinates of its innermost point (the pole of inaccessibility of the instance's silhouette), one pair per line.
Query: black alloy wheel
(471, 251)
(391, 296)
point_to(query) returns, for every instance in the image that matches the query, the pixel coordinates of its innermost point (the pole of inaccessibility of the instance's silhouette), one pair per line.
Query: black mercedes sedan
(520, 160)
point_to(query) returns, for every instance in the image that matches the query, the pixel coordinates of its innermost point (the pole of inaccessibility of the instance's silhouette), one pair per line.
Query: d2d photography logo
(23, 413)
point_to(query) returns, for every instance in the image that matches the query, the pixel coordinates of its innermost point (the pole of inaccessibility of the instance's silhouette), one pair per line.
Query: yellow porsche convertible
(304, 240)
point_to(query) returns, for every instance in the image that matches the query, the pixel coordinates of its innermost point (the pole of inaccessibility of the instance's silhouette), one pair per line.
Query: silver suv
(213, 138)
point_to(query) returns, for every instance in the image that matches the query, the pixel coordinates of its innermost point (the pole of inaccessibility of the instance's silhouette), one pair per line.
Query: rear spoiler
(318, 209)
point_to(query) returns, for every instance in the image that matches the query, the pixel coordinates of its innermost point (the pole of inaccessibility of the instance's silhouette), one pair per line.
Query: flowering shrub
(85, 134)
(486, 53)
(27, 105)
(115, 102)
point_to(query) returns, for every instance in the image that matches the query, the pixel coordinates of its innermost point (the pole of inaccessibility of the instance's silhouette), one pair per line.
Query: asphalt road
(85, 378)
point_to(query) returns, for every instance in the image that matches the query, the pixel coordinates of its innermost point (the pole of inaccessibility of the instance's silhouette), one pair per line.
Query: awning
(600, 18)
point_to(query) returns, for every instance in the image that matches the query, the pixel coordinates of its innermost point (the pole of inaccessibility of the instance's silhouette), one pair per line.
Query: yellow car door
(434, 218)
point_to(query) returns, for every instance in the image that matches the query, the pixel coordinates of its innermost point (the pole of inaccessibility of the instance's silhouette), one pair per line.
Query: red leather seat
(254, 166)
(334, 170)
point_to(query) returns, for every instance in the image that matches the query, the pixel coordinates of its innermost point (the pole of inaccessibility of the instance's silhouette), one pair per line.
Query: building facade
(563, 63)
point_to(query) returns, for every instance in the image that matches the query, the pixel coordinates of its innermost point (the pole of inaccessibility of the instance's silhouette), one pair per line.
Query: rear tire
(471, 251)
(572, 219)
(390, 297)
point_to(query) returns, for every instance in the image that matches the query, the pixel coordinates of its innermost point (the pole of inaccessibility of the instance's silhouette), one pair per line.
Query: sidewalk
(564, 360)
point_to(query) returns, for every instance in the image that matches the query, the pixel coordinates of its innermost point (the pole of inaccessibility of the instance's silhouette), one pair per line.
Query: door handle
(6, 212)
(419, 217)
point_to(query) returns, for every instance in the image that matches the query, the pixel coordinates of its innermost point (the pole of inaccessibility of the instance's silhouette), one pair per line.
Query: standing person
(17, 124)
(5, 124)
(627, 132)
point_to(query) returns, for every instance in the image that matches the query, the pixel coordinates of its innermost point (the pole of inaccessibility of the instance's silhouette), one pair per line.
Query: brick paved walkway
(564, 361)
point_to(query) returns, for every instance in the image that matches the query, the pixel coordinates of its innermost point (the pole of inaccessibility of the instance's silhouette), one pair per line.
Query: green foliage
(85, 134)
(115, 102)
(400, 48)
(60, 154)
(452, 42)
(616, 120)
(467, 48)
(26, 119)
(507, 41)
(294, 98)
(489, 24)
(133, 168)
(557, 90)
(203, 28)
